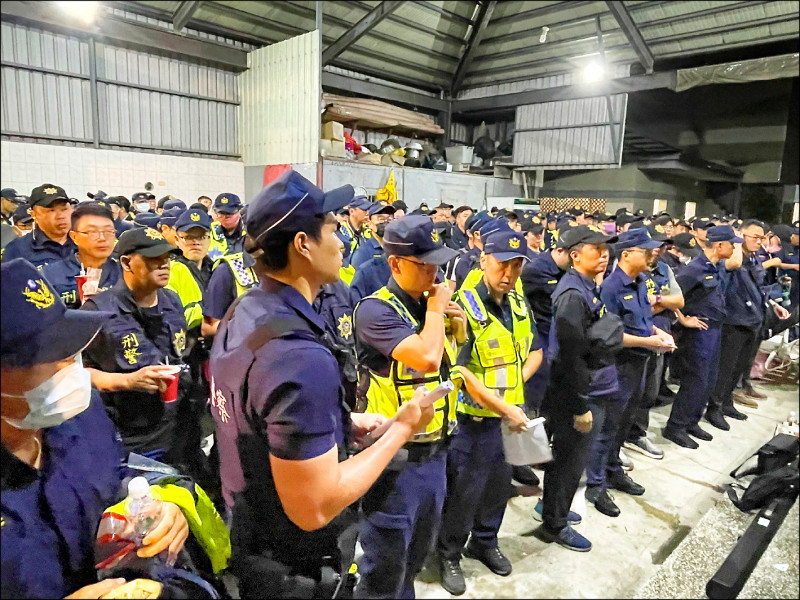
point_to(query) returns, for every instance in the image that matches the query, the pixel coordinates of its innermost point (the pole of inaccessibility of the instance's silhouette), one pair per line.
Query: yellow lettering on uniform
(628, 297)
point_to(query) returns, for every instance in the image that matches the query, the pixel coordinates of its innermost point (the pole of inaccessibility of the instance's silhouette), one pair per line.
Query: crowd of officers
(305, 322)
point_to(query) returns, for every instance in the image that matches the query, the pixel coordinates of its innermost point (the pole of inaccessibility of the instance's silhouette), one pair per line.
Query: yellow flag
(389, 191)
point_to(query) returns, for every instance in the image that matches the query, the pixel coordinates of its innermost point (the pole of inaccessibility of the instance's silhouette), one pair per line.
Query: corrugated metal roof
(422, 42)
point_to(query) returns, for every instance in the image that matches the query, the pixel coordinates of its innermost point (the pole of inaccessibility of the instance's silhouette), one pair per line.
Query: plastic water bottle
(143, 511)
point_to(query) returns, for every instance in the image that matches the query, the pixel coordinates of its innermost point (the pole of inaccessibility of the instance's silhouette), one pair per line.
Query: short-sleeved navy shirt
(703, 289)
(466, 262)
(368, 249)
(38, 249)
(371, 276)
(380, 328)
(627, 298)
(220, 293)
(50, 515)
(539, 280)
(62, 275)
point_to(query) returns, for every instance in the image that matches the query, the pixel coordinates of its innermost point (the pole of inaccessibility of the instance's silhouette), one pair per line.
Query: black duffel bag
(776, 474)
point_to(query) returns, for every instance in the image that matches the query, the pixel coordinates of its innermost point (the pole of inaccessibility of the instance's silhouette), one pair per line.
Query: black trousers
(735, 359)
(652, 384)
(563, 474)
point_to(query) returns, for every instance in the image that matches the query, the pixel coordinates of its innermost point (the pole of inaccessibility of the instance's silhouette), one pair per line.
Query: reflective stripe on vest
(183, 283)
(347, 273)
(244, 277)
(497, 354)
(385, 395)
(219, 245)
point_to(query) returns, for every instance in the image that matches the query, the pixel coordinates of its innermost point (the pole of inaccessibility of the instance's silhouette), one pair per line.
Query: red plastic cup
(81, 280)
(170, 394)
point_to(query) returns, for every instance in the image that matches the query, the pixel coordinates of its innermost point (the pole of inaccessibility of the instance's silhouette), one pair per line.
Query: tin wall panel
(280, 105)
(571, 134)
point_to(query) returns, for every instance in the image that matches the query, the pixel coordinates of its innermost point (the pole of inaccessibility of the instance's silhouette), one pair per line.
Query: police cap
(143, 240)
(722, 233)
(47, 194)
(227, 204)
(505, 245)
(193, 218)
(583, 234)
(415, 235)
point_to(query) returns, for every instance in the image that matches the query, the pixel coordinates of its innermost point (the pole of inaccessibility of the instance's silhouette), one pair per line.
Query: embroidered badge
(153, 234)
(435, 236)
(692, 242)
(179, 341)
(345, 326)
(659, 229)
(38, 294)
(223, 201)
(130, 348)
(194, 217)
(50, 191)
(513, 243)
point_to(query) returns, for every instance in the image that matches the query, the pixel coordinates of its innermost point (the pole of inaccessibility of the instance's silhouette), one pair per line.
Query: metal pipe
(560, 127)
(95, 105)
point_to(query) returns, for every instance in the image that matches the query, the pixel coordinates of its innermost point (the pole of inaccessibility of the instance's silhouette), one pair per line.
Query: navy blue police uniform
(221, 291)
(62, 275)
(36, 247)
(698, 349)
(371, 248)
(371, 276)
(350, 236)
(137, 337)
(276, 390)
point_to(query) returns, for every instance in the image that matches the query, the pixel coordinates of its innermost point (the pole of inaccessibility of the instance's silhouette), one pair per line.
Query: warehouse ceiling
(452, 45)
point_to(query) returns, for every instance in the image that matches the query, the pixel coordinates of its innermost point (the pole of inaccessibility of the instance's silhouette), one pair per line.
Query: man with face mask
(698, 348)
(148, 331)
(51, 208)
(680, 252)
(22, 220)
(62, 463)
(227, 231)
(379, 214)
(143, 202)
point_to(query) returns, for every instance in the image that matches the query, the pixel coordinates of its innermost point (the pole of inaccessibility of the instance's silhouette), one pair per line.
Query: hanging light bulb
(593, 72)
(543, 37)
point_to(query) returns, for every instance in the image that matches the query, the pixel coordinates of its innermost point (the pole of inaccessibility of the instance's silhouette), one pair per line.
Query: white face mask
(55, 400)
(685, 259)
(142, 206)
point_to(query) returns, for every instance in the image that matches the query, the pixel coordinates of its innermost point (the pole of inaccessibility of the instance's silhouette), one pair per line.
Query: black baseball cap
(505, 245)
(583, 234)
(399, 205)
(143, 240)
(36, 325)
(12, 195)
(142, 196)
(99, 195)
(199, 206)
(227, 204)
(164, 200)
(381, 207)
(687, 244)
(120, 201)
(702, 223)
(21, 214)
(291, 201)
(193, 218)
(627, 218)
(657, 233)
(415, 235)
(47, 194)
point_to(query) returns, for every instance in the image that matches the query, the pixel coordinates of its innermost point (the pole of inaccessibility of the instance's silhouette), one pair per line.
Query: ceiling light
(543, 37)
(593, 72)
(80, 9)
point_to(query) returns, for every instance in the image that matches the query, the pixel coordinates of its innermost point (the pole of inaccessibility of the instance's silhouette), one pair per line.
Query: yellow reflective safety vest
(204, 521)
(219, 244)
(350, 234)
(347, 273)
(386, 394)
(497, 353)
(183, 283)
(245, 277)
(475, 276)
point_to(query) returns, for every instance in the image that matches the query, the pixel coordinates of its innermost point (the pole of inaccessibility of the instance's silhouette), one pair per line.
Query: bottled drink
(143, 511)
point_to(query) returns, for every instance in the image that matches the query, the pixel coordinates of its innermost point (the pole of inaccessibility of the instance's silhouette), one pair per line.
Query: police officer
(147, 219)
(371, 276)
(166, 225)
(147, 331)
(471, 254)
(582, 344)
(467, 270)
(10, 201)
(350, 230)
(227, 231)
(551, 231)
(624, 293)
(746, 304)
(282, 425)
(459, 240)
(680, 252)
(539, 280)
(22, 220)
(232, 275)
(534, 236)
(61, 456)
(93, 233)
(143, 202)
(500, 354)
(698, 348)
(380, 215)
(49, 241)
(118, 206)
(402, 345)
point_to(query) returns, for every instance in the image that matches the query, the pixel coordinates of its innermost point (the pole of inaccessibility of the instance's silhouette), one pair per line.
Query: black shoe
(695, 431)
(679, 437)
(716, 419)
(619, 480)
(730, 411)
(495, 561)
(602, 501)
(525, 475)
(451, 576)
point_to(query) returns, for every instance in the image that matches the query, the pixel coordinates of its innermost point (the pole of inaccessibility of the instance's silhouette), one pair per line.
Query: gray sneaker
(646, 447)
(627, 464)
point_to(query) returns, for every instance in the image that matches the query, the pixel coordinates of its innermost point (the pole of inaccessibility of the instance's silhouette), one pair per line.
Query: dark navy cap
(702, 223)
(505, 245)
(143, 240)
(686, 243)
(164, 200)
(46, 194)
(146, 219)
(624, 218)
(636, 238)
(11, 194)
(142, 196)
(476, 220)
(193, 218)
(169, 217)
(199, 206)
(381, 207)
(173, 203)
(36, 326)
(227, 204)
(583, 234)
(415, 235)
(722, 233)
(21, 214)
(290, 202)
(491, 225)
(360, 202)
(99, 195)
(120, 201)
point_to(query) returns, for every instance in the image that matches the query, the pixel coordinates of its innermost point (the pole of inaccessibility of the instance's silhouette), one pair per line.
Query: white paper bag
(530, 447)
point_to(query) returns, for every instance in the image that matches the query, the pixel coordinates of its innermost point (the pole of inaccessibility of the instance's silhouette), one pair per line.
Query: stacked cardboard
(332, 141)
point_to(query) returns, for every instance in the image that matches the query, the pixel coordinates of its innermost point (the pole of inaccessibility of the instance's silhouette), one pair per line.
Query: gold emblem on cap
(537, 220)
(223, 201)
(345, 326)
(435, 236)
(513, 243)
(40, 296)
(194, 217)
(50, 190)
(659, 229)
(153, 234)
(594, 228)
(692, 243)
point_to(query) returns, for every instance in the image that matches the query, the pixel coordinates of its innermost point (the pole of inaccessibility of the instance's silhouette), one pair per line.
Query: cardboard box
(336, 149)
(333, 131)
(324, 147)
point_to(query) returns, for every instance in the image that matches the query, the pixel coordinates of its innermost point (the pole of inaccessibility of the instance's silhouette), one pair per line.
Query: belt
(423, 452)
(474, 418)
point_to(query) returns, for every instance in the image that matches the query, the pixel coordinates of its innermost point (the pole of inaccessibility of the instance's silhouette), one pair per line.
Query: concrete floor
(628, 550)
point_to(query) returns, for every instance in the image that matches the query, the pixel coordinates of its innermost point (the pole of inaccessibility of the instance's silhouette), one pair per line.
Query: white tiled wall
(24, 166)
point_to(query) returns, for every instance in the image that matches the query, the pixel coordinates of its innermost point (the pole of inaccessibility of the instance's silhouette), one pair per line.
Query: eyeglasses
(760, 238)
(194, 238)
(99, 235)
(414, 262)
